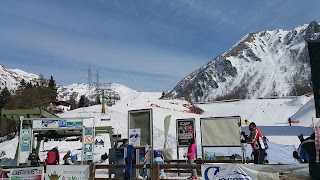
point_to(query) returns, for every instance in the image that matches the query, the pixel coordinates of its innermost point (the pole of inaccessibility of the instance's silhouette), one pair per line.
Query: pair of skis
(144, 167)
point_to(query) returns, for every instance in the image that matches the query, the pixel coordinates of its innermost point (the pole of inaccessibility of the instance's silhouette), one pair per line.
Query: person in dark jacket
(67, 158)
(53, 157)
(34, 158)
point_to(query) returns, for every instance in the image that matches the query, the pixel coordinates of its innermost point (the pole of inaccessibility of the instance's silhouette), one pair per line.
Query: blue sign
(25, 144)
(62, 123)
(75, 123)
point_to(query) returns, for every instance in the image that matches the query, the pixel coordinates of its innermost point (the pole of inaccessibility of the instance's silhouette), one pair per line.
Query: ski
(144, 168)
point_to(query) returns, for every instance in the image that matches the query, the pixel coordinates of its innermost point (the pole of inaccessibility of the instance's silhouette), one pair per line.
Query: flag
(166, 129)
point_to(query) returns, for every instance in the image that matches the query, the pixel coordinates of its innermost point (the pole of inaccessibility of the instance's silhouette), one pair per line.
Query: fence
(175, 166)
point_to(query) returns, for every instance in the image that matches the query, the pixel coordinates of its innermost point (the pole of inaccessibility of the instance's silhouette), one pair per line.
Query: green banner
(166, 129)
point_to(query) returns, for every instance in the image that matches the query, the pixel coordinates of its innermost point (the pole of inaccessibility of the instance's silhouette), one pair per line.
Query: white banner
(71, 172)
(250, 171)
(30, 173)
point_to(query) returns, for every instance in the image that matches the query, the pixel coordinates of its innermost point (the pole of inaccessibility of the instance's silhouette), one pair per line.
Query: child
(158, 158)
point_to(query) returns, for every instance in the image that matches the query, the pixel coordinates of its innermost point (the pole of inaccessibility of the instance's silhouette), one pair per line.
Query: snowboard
(128, 160)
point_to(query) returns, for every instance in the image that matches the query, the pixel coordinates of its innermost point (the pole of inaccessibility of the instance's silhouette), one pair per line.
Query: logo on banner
(218, 173)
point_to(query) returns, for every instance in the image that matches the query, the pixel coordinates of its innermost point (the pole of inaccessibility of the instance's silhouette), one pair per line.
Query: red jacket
(191, 151)
(256, 139)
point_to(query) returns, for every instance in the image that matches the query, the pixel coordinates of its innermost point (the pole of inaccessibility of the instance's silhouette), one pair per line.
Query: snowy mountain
(267, 63)
(11, 78)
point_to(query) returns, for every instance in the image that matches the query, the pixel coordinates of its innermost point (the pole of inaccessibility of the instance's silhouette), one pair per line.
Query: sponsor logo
(216, 172)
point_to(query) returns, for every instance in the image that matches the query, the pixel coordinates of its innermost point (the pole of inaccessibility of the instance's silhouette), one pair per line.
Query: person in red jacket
(256, 141)
(53, 157)
(190, 155)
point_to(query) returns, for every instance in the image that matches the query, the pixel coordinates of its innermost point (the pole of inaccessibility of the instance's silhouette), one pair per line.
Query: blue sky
(147, 45)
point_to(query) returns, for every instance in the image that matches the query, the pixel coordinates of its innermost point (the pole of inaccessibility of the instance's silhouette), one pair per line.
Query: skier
(190, 156)
(53, 157)
(67, 158)
(256, 141)
(158, 159)
(34, 158)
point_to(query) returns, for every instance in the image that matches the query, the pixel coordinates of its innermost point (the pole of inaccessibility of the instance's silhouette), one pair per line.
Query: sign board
(134, 137)
(29, 173)
(185, 131)
(24, 145)
(57, 172)
(57, 124)
(88, 136)
(220, 131)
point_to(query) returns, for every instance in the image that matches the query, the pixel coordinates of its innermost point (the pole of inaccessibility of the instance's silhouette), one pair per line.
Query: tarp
(277, 153)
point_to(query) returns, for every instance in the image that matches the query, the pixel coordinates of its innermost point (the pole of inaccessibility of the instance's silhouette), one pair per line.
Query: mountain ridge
(261, 64)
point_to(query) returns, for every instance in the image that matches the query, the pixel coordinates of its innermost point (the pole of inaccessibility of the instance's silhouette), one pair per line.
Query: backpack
(51, 157)
(32, 157)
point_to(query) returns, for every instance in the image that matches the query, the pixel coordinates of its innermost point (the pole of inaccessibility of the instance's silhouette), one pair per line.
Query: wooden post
(155, 171)
(92, 170)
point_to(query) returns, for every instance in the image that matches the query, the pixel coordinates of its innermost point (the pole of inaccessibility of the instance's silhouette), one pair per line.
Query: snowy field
(269, 114)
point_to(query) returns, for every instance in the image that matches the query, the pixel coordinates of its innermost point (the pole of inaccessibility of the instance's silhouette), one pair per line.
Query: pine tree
(72, 101)
(52, 83)
(82, 101)
(4, 97)
(53, 87)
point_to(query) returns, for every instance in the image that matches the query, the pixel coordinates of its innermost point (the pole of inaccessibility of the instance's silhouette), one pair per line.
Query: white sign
(30, 173)
(250, 171)
(134, 137)
(69, 172)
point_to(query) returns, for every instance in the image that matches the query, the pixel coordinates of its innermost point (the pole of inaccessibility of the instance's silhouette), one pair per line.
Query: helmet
(158, 154)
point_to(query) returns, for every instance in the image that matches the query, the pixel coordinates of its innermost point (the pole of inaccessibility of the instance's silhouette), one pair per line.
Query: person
(74, 159)
(289, 120)
(53, 157)
(190, 155)
(256, 141)
(297, 157)
(96, 142)
(303, 156)
(125, 143)
(104, 157)
(67, 158)
(34, 158)
(158, 159)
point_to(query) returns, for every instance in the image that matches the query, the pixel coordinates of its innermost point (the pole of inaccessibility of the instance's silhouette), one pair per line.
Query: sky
(147, 45)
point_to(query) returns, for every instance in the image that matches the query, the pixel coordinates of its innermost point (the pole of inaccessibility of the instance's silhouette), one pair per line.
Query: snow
(269, 114)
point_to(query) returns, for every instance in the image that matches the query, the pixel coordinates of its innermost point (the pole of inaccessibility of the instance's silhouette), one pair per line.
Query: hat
(158, 154)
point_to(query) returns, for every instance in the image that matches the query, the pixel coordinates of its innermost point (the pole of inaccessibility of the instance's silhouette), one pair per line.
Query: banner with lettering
(30, 173)
(250, 171)
(57, 172)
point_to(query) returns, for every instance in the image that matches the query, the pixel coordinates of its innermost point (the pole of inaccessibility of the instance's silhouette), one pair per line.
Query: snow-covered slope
(267, 113)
